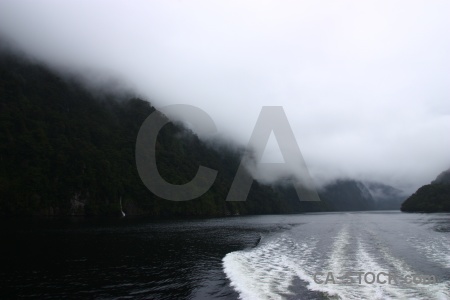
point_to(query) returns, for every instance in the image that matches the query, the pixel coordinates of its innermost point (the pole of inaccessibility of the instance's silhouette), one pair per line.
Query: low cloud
(363, 84)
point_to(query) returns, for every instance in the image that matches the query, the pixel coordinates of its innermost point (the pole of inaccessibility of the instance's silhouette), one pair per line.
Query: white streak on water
(269, 270)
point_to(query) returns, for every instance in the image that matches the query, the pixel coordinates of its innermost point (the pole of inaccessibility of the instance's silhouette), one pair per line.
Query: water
(257, 257)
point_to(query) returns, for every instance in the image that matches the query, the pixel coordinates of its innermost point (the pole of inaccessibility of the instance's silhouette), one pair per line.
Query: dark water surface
(257, 257)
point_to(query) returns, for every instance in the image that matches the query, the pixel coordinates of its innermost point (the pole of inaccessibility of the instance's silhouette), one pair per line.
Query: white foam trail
(398, 267)
(338, 258)
(367, 263)
(261, 273)
(267, 271)
(436, 249)
(342, 261)
(338, 262)
(305, 269)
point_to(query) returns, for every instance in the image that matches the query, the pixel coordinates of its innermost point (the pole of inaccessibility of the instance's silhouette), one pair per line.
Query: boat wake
(295, 264)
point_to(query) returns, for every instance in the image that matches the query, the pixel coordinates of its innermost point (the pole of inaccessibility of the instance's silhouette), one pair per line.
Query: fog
(364, 84)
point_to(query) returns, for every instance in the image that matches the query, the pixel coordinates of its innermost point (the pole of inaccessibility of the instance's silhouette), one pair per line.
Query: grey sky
(365, 84)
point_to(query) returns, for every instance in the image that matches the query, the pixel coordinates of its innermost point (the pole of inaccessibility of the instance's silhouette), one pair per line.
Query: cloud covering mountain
(363, 84)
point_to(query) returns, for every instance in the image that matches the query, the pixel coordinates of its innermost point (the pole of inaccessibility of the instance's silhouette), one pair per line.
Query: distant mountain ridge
(385, 197)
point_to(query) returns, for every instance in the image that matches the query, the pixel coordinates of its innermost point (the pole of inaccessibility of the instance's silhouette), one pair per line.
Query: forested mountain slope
(433, 197)
(65, 151)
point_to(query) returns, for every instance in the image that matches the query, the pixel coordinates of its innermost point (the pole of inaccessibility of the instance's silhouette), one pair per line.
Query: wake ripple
(270, 270)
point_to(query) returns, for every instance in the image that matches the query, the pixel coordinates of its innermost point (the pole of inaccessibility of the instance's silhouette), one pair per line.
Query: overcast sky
(365, 84)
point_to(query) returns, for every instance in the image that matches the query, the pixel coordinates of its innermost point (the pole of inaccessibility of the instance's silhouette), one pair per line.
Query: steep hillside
(65, 152)
(347, 195)
(434, 197)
